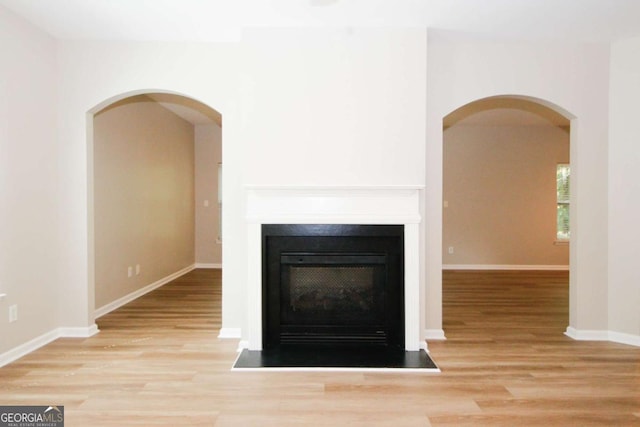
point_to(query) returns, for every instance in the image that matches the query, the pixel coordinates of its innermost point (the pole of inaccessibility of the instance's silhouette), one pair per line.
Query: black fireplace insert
(333, 285)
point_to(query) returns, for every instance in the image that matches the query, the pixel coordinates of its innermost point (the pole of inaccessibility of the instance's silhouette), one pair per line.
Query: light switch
(206, 203)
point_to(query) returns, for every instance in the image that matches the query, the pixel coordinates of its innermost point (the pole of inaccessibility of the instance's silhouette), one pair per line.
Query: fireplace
(333, 285)
(269, 206)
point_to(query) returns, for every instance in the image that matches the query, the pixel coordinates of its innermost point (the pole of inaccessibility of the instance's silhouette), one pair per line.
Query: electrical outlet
(137, 269)
(129, 271)
(450, 249)
(13, 313)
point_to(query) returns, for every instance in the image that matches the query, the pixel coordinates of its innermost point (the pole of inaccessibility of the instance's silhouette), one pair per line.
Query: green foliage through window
(562, 187)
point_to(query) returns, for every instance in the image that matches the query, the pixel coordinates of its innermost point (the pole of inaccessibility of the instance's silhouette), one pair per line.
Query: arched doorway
(502, 207)
(153, 193)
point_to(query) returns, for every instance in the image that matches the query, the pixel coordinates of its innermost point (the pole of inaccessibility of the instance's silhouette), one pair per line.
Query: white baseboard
(504, 267)
(87, 332)
(230, 333)
(208, 265)
(26, 348)
(624, 338)
(137, 294)
(234, 333)
(586, 335)
(44, 339)
(599, 335)
(434, 334)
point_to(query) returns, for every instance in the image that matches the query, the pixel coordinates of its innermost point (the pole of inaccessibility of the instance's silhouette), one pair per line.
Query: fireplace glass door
(332, 294)
(333, 285)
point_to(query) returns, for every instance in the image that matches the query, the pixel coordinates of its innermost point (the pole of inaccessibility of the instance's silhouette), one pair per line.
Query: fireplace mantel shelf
(333, 204)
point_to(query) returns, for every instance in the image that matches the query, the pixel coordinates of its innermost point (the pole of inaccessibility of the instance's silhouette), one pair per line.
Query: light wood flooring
(506, 362)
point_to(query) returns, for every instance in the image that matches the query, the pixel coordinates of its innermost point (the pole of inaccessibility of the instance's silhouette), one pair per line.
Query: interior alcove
(154, 206)
(500, 155)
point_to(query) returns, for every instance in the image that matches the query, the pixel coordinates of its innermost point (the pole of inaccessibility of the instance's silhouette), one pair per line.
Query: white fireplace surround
(399, 205)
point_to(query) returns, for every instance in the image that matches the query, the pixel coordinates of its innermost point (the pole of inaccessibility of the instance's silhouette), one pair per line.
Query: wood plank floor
(157, 362)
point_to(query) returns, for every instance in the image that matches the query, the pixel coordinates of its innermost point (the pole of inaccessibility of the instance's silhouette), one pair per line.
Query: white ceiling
(216, 20)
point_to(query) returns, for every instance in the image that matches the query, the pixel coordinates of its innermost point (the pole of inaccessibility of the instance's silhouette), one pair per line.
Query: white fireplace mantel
(335, 205)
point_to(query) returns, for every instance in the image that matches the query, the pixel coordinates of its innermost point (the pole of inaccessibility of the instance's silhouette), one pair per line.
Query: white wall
(335, 106)
(92, 75)
(573, 77)
(208, 153)
(144, 171)
(624, 189)
(29, 182)
(298, 107)
(314, 107)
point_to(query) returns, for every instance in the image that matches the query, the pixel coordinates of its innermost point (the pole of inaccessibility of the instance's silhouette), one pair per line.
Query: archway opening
(505, 217)
(155, 201)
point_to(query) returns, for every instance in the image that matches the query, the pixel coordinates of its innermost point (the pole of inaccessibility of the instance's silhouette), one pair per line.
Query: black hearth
(333, 285)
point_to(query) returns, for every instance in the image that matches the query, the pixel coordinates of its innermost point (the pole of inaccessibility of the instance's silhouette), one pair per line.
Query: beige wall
(500, 186)
(144, 196)
(208, 154)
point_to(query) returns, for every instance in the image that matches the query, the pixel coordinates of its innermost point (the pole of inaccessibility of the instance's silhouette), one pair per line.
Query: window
(562, 190)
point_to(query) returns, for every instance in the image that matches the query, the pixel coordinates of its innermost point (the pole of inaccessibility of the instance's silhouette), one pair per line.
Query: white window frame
(562, 199)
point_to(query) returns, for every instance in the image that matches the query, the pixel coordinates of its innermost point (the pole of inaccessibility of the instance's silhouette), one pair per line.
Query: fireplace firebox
(333, 285)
